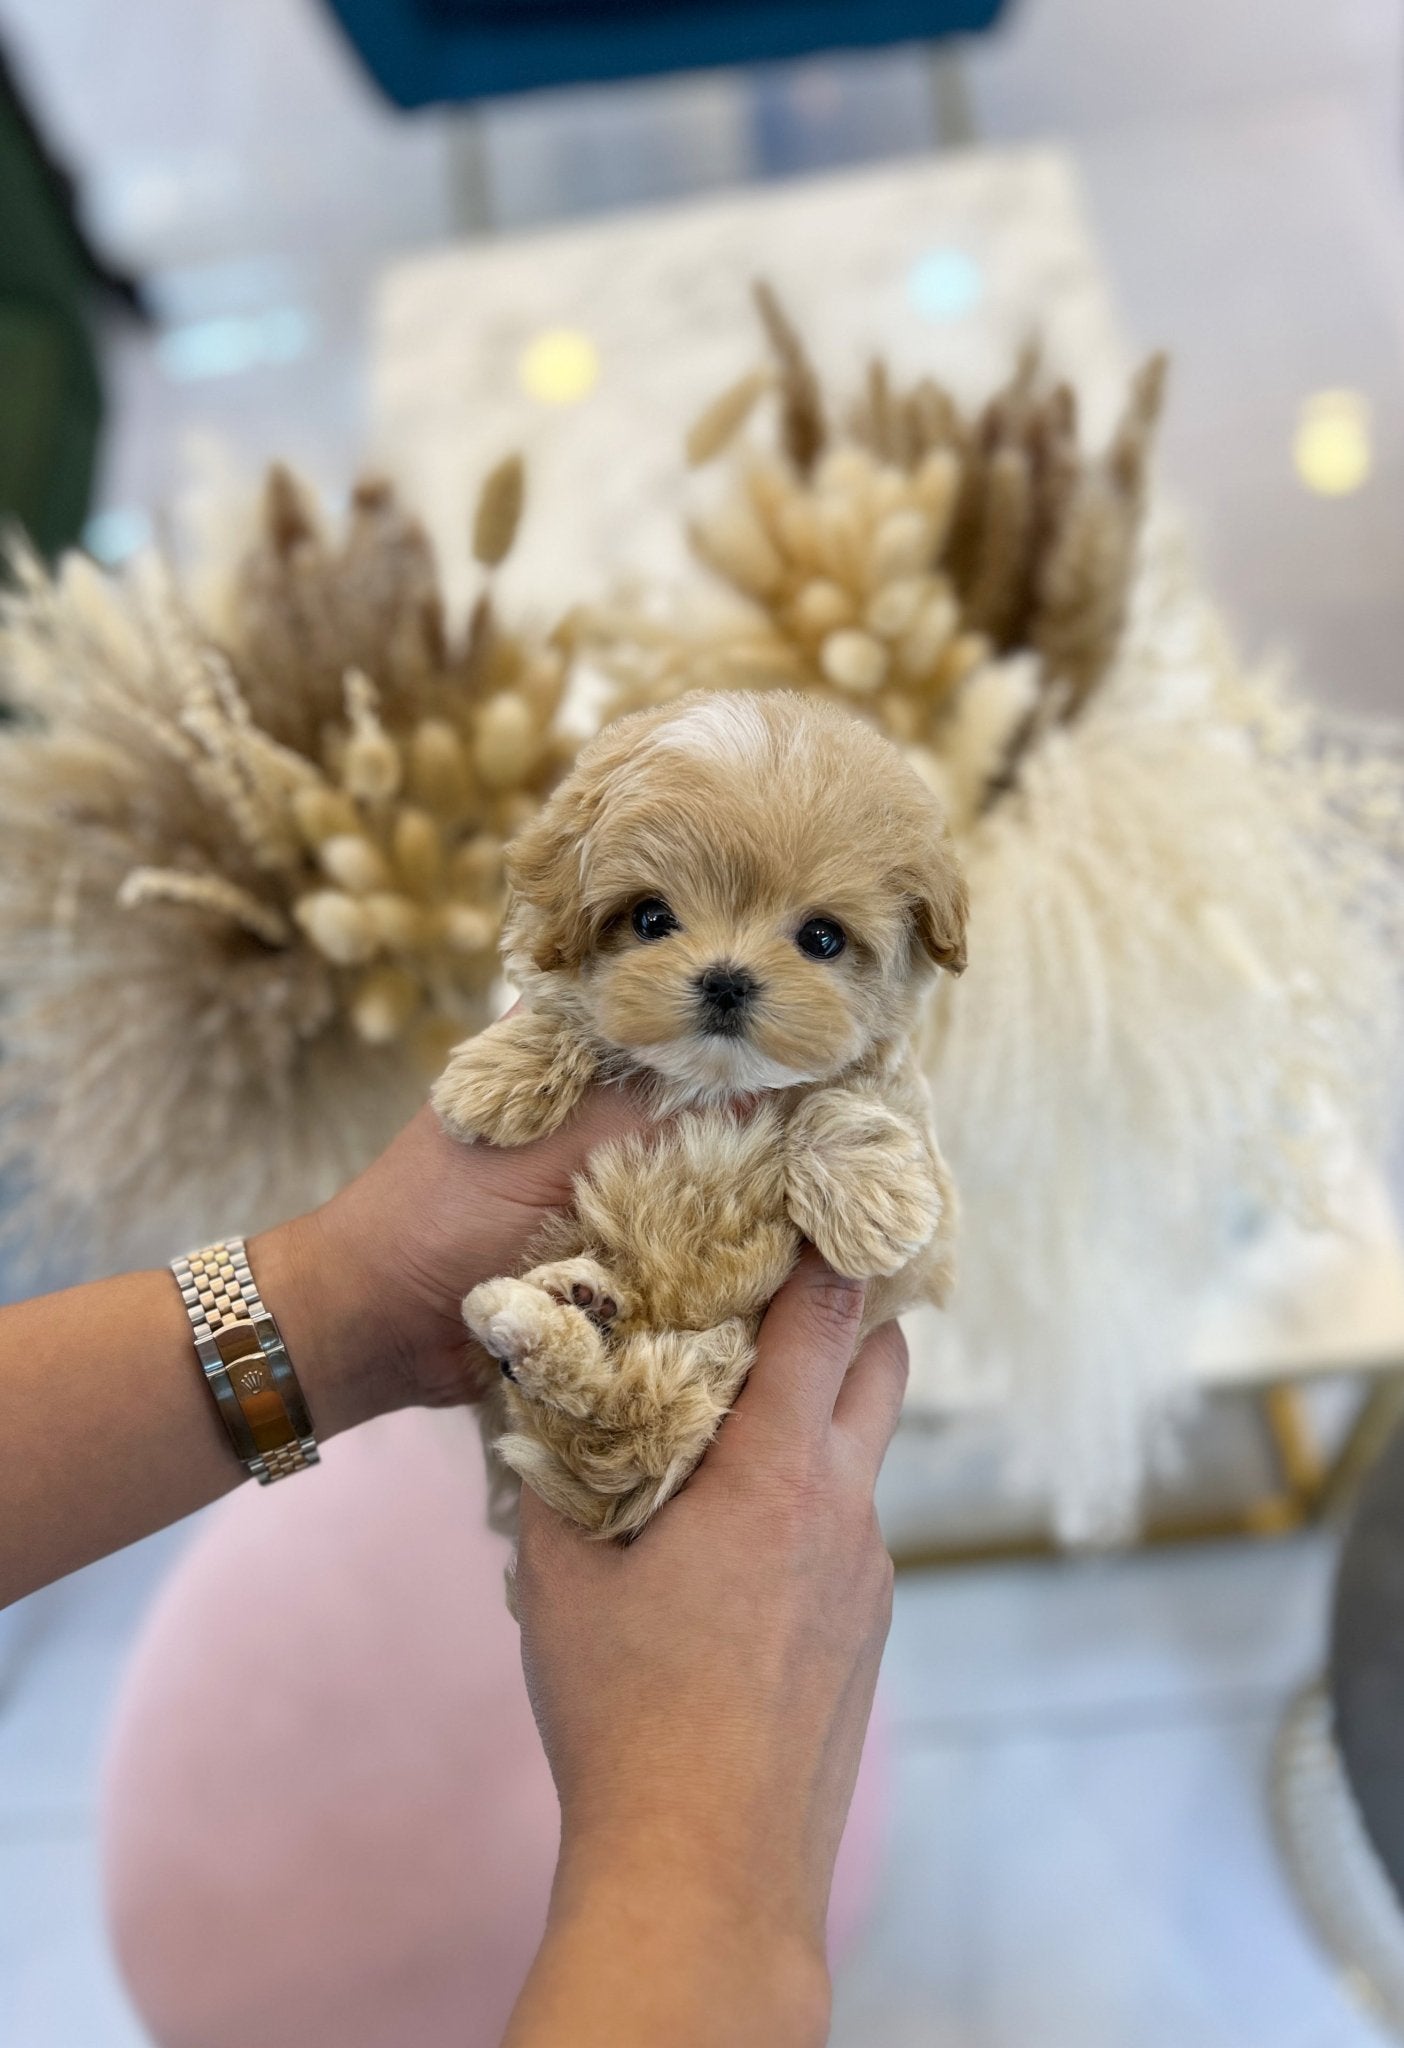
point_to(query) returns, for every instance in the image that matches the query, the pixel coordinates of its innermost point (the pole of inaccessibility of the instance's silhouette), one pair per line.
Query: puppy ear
(940, 906)
(548, 916)
(545, 912)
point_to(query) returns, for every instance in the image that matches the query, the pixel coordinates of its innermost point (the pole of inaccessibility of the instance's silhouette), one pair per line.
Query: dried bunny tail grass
(499, 511)
(1190, 921)
(717, 426)
(306, 604)
(249, 891)
(903, 427)
(996, 596)
(1085, 577)
(885, 568)
(1128, 458)
(803, 431)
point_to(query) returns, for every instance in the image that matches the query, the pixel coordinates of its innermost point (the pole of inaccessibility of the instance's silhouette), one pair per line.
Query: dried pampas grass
(1184, 997)
(250, 864)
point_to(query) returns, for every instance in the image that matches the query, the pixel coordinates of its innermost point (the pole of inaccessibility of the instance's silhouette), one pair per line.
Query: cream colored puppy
(739, 898)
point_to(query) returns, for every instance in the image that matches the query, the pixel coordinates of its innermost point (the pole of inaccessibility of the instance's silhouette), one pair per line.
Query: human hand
(378, 1273)
(703, 1693)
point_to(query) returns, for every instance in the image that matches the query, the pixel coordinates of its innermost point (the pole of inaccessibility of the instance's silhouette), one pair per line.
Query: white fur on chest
(711, 1069)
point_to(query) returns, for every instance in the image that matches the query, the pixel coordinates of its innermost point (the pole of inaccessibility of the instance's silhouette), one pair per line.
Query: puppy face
(737, 892)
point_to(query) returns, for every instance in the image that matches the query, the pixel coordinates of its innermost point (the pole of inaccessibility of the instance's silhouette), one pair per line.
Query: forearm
(641, 1949)
(107, 1427)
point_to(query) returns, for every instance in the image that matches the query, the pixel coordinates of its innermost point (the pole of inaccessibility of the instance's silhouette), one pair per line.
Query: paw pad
(600, 1308)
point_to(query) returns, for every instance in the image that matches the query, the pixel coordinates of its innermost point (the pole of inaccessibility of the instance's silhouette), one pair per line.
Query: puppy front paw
(545, 1348)
(468, 1095)
(513, 1083)
(860, 1184)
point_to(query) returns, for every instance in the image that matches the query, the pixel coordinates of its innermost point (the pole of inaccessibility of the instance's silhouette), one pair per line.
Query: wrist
(706, 1921)
(324, 1299)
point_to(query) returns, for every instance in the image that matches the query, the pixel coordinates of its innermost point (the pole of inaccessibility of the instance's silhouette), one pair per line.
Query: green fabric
(50, 394)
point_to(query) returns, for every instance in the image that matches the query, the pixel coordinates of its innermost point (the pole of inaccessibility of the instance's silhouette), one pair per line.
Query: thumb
(805, 1347)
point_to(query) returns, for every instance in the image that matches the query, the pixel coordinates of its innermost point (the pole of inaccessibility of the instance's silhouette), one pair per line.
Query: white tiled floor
(61, 1655)
(1081, 1853)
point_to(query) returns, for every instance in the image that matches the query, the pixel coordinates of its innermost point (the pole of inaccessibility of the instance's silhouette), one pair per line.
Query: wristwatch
(245, 1362)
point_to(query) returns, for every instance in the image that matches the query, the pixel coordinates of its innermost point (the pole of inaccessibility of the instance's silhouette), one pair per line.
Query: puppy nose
(726, 993)
(725, 987)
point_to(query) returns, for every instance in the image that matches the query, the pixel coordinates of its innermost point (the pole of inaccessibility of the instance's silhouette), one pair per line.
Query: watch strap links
(245, 1362)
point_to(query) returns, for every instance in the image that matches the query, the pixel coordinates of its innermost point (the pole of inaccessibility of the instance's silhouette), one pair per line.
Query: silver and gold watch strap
(245, 1362)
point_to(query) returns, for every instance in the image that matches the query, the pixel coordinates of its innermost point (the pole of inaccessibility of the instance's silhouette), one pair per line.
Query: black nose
(726, 992)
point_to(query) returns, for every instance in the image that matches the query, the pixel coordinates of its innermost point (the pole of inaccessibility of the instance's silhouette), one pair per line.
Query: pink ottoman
(327, 1815)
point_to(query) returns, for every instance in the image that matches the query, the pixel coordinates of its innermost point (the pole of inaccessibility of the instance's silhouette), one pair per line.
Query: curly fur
(632, 1329)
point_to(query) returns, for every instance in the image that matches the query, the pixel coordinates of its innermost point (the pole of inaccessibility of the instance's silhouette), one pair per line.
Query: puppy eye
(821, 938)
(652, 919)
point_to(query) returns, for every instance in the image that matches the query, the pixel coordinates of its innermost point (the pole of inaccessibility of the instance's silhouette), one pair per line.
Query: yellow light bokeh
(1331, 449)
(559, 367)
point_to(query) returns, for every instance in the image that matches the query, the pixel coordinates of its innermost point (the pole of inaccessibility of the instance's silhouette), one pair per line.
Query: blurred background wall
(1241, 159)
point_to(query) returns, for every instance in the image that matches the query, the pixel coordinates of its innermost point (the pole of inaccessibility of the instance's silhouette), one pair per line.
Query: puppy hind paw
(506, 1320)
(548, 1351)
(585, 1285)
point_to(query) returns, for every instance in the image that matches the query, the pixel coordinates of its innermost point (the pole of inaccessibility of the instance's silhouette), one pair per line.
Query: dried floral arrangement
(251, 861)
(890, 561)
(1187, 909)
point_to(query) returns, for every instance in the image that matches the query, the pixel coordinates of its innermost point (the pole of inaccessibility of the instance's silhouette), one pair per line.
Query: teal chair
(419, 51)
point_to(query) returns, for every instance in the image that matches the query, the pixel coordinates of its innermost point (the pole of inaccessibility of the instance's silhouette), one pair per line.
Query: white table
(664, 298)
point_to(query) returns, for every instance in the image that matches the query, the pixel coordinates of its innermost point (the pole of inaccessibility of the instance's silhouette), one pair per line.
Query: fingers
(870, 1399)
(805, 1347)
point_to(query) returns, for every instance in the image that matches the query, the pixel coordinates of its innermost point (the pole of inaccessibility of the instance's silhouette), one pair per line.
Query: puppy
(739, 899)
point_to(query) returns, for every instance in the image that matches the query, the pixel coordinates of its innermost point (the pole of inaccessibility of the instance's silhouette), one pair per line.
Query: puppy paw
(584, 1284)
(860, 1184)
(468, 1095)
(611, 1471)
(513, 1083)
(547, 1350)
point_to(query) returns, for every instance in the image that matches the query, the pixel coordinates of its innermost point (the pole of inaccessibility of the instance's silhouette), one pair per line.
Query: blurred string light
(233, 343)
(1331, 449)
(945, 284)
(559, 367)
(112, 535)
